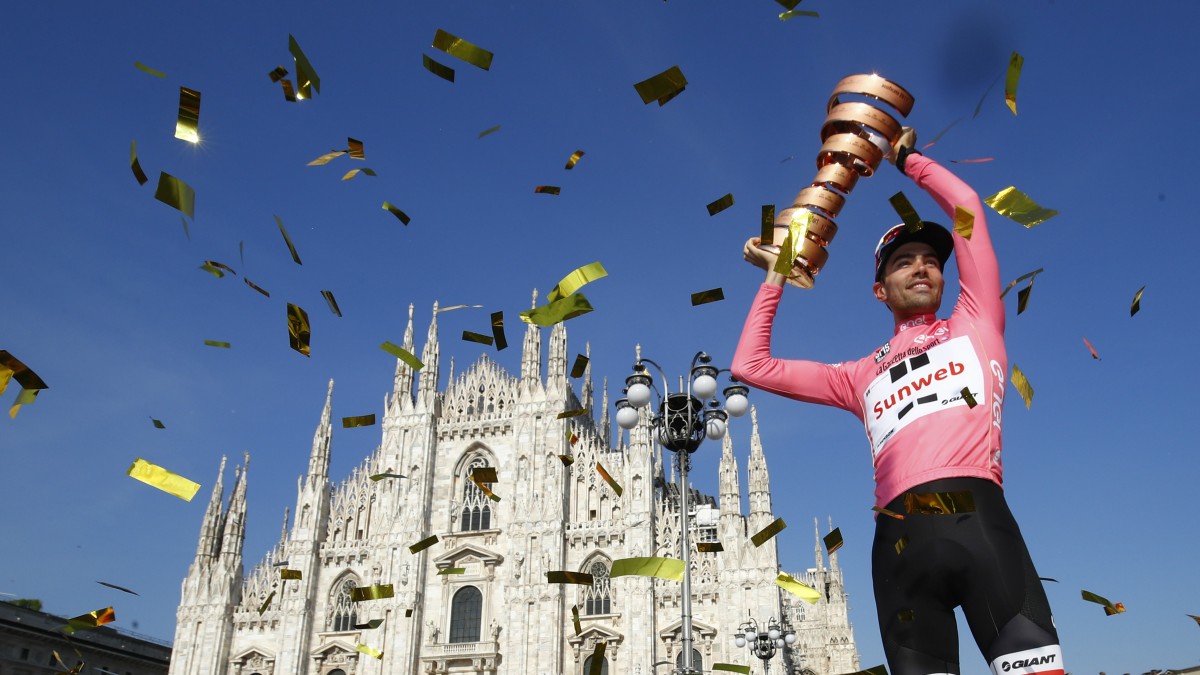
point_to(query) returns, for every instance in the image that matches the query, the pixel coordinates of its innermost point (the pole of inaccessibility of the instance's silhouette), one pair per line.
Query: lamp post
(684, 419)
(764, 643)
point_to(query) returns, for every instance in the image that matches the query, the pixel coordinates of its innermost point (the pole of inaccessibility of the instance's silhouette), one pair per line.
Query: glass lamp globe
(773, 634)
(736, 403)
(714, 428)
(627, 417)
(790, 638)
(704, 387)
(779, 643)
(750, 635)
(740, 641)
(639, 395)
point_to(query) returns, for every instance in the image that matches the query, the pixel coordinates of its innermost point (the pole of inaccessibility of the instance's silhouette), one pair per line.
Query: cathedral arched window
(597, 599)
(697, 660)
(466, 615)
(587, 665)
(477, 510)
(342, 614)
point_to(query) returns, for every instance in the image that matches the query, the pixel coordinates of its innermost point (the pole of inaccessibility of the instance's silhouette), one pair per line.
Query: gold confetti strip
(119, 588)
(577, 279)
(968, 397)
(788, 4)
(443, 71)
(833, 540)
(456, 46)
(355, 148)
(376, 592)
(408, 613)
(298, 329)
(423, 544)
(608, 479)
(662, 87)
(905, 615)
(187, 126)
(369, 651)
(1110, 608)
(220, 265)
(213, 271)
(278, 74)
(5, 377)
(452, 570)
(370, 625)
(1195, 618)
(797, 230)
(767, 233)
(326, 158)
(288, 240)
(558, 311)
(580, 366)
(176, 194)
(354, 172)
(709, 547)
(547, 189)
(1091, 349)
(291, 574)
(256, 287)
(901, 544)
(579, 628)
(135, 165)
(402, 354)
(670, 569)
(1016, 205)
(573, 413)
(90, 620)
(574, 159)
(185, 228)
(1010, 81)
(979, 106)
(567, 460)
(26, 397)
(156, 476)
(358, 421)
(395, 211)
(797, 588)
(705, 297)
(907, 213)
(306, 76)
(218, 343)
(979, 160)
(795, 13)
(381, 476)
(492, 130)
(565, 577)
(439, 310)
(891, 514)
(732, 668)
(769, 531)
(1137, 301)
(598, 659)
(964, 222)
(572, 437)
(720, 205)
(22, 373)
(498, 330)
(157, 423)
(1022, 384)
(1023, 277)
(1023, 297)
(939, 503)
(329, 300)
(289, 93)
(148, 70)
(470, 336)
(940, 134)
(482, 476)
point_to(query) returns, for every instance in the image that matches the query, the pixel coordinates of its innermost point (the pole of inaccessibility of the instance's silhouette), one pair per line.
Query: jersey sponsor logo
(883, 351)
(900, 356)
(1025, 663)
(912, 323)
(920, 385)
(1039, 660)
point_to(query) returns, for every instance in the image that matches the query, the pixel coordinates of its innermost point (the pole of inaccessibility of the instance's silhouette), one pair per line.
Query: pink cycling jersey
(909, 393)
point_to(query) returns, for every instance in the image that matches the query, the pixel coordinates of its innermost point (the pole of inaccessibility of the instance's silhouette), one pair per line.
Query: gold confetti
(580, 366)
(574, 159)
(395, 211)
(670, 569)
(939, 503)
(1195, 618)
(572, 437)
(443, 71)
(329, 299)
(157, 423)
(705, 297)
(577, 279)
(1023, 297)
(482, 476)
(470, 336)
(119, 588)
(5, 376)
(1091, 349)
(408, 613)
(565, 577)
(567, 460)
(376, 592)
(176, 194)
(256, 287)
(185, 228)
(492, 130)
(359, 421)
(278, 74)
(148, 70)
(901, 544)
(218, 343)
(156, 476)
(423, 544)
(22, 373)
(187, 125)
(381, 476)
(907, 213)
(289, 93)
(402, 354)
(968, 397)
(1016, 205)
(456, 46)
(326, 158)
(1010, 81)
(964, 222)
(288, 240)
(797, 588)
(573, 413)
(1137, 301)
(598, 659)
(452, 570)
(709, 547)
(220, 265)
(547, 190)
(608, 479)
(135, 165)
(767, 233)
(291, 574)
(579, 628)
(213, 271)
(941, 133)
(662, 87)
(979, 160)
(298, 329)
(354, 172)
(788, 4)
(355, 148)
(768, 532)
(732, 668)
(306, 76)
(369, 651)
(1023, 277)
(558, 311)
(90, 620)
(891, 514)
(1022, 384)
(797, 231)
(26, 397)
(720, 205)
(1110, 608)
(795, 13)
(833, 540)
(370, 625)
(498, 330)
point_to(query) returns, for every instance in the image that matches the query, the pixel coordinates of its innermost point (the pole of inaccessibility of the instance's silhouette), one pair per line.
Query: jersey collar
(915, 322)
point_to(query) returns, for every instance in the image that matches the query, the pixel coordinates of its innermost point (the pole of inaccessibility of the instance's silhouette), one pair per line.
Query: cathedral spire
(235, 517)
(403, 389)
(833, 563)
(605, 423)
(287, 512)
(587, 391)
(210, 531)
(427, 385)
(760, 481)
(531, 356)
(731, 494)
(817, 546)
(318, 458)
(556, 362)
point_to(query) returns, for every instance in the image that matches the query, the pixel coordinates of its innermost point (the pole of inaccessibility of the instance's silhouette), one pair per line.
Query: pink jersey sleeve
(978, 271)
(807, 381)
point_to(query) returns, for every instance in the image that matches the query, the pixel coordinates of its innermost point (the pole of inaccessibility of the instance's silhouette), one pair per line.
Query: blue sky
(104, 299)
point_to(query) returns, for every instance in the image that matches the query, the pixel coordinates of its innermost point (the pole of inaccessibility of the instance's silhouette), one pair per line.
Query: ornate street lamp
(764, 643)
(684, 419)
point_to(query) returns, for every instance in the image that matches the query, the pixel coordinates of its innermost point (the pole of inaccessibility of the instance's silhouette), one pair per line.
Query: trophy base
(800, 276)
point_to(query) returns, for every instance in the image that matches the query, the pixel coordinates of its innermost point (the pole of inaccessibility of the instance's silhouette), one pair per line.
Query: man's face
(912, 281)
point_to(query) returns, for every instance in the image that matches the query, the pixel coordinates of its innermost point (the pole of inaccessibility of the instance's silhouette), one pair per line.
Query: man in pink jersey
(931, 401)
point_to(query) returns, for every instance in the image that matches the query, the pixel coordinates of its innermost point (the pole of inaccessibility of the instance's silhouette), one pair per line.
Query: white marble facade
(499, 616)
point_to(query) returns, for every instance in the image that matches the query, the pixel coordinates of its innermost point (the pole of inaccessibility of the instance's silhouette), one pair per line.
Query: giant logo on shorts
(921, 385)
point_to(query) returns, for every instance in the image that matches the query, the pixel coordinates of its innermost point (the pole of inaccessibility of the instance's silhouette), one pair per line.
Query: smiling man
(931, 400)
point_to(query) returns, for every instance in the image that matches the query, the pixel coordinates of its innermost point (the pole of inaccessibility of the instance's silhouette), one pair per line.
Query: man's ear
(880, 292)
